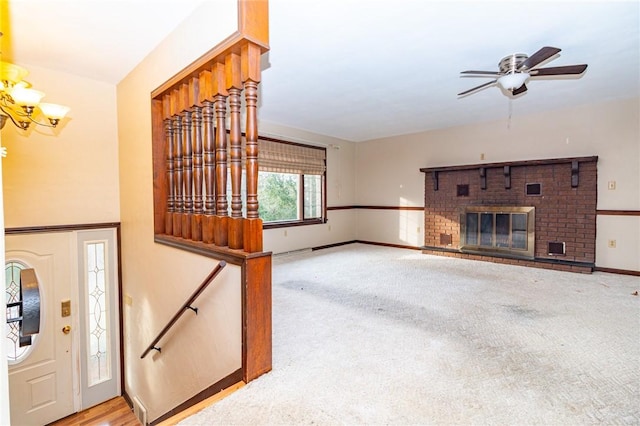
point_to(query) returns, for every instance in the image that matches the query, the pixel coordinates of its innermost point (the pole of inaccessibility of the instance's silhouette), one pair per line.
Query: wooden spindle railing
(191, 169)
(202, 154)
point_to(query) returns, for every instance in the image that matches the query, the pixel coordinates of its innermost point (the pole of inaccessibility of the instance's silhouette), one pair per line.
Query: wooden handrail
(184, 307)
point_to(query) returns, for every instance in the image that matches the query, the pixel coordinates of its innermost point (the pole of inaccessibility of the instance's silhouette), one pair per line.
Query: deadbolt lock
(65, 306)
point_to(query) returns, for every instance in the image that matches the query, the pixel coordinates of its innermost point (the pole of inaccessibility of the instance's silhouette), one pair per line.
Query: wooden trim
(403, 208)
(257, 29)
(60, 228)
(203, 63)
(202, 405)
(234, 257)
(217, 387)
(618, 212)
(159, 167)
(617, 271)
(256, 318)
(121, 312)
(402, 246)
(373, 243)
(511, 164)
(344, 243)
(275, 225)
(127, 398)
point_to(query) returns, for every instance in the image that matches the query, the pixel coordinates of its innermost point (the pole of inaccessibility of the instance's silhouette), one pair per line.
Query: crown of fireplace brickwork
(535, 213)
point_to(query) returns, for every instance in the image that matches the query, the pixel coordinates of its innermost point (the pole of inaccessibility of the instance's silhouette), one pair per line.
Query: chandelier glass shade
(21, 104)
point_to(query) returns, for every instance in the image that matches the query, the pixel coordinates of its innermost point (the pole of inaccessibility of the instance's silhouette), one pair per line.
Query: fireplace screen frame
(485, 237)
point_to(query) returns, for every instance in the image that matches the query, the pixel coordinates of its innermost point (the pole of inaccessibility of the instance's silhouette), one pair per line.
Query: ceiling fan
(516, 69)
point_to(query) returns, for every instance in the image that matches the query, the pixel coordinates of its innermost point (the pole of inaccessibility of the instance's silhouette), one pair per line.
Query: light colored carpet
(373, 335)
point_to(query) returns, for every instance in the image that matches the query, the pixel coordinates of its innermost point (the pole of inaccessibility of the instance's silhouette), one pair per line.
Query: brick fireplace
(539, 213)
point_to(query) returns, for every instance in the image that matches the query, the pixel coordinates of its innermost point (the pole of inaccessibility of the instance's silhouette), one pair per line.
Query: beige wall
(67, 175)
(201, 349)
(387, 170)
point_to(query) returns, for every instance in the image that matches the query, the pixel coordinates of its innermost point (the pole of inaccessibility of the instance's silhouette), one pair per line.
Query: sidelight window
(97, 320)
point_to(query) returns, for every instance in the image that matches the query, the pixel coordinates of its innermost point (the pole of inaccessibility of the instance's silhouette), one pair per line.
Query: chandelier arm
(38, 123)
(8, 114)
(8, 111)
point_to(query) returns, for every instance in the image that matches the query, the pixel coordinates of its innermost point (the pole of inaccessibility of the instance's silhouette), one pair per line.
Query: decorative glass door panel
(98, 290)
(98, 330)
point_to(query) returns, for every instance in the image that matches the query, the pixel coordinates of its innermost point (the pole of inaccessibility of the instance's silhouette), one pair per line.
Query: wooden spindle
(198, 176)
(168, 133)
(234, 87)
(222, 207)
(178, 177)
(209, 171)
(251, 99)
(187, 172)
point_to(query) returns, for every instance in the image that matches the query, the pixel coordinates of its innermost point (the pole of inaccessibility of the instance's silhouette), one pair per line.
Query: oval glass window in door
(19, 344)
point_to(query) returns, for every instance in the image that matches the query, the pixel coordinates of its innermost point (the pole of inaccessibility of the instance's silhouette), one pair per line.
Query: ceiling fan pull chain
(510, 113)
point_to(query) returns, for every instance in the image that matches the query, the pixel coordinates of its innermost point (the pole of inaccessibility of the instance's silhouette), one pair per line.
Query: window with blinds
(291, 183)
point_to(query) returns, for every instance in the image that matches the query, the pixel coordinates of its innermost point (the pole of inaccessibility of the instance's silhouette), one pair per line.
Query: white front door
(74, 361)
(41, 378)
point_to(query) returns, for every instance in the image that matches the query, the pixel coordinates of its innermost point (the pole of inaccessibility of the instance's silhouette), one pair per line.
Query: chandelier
(21, 104)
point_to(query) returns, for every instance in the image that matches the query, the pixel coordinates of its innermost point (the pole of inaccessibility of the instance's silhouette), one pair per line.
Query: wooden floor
(115, 412)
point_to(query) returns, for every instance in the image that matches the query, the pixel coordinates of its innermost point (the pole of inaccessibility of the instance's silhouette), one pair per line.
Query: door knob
(66, 329)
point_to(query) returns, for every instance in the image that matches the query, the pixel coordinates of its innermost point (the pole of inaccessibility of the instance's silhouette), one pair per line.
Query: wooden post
(168, 132)
(250, 61)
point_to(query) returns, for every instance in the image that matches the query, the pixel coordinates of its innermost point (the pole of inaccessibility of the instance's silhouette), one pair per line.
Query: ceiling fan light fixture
(513, 81)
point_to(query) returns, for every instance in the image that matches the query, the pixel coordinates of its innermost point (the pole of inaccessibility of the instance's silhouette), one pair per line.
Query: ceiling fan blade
(566, 70)
(519, 90)
(482, 86)
(495, 73)
(541, 55)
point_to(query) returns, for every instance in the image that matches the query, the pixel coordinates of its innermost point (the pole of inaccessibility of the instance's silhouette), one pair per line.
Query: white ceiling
(362, 69)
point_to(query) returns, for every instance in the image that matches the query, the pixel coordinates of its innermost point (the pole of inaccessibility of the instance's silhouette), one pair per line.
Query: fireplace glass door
(499, 229)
